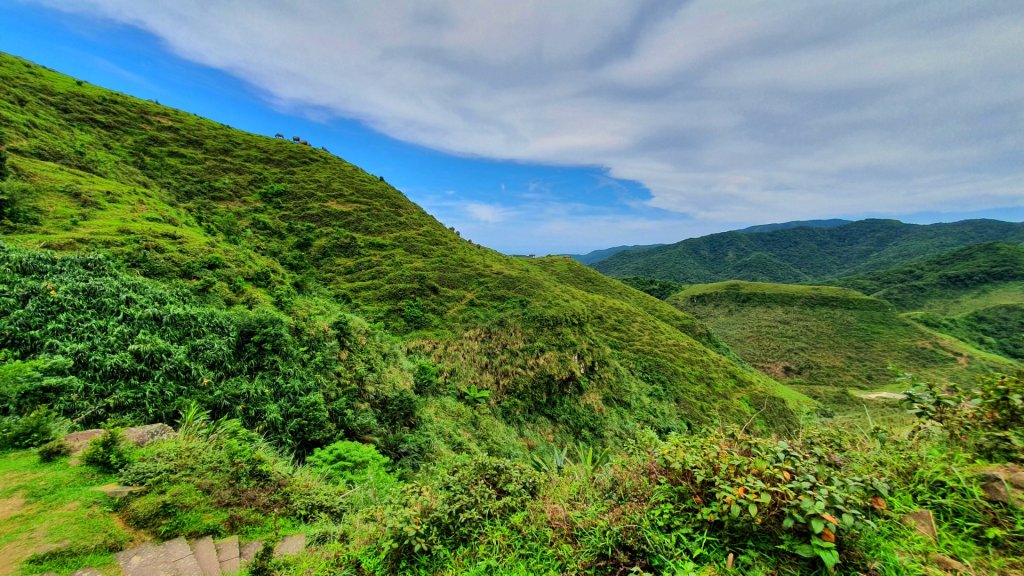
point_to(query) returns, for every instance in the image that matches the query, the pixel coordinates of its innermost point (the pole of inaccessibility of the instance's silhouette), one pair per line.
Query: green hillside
(374, 314)
(974, 293)
(804, 254)
(822, 339)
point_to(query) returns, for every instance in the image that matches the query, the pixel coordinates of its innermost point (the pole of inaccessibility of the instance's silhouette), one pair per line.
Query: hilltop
(402, 327)
(804, 255)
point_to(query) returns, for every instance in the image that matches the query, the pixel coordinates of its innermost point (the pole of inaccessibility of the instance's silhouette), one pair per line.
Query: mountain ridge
(802, 254)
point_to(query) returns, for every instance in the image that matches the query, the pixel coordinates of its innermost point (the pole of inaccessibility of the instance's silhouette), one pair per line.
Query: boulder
(142, 435)
(923, 522)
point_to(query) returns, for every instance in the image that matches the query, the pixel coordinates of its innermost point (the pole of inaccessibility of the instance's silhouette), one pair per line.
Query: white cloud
(727, 110)
(488, 213)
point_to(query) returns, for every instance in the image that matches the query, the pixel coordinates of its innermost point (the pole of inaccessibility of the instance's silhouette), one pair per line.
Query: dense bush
(98, 342)
(31, 430)
(110, 452)
(988, 418)
(53, 450)
(216, 477)
(349, 462)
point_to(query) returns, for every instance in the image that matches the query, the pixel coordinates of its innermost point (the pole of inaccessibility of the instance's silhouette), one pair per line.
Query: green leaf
(752, 508)
(788, 523)
(817, 525)
(734, 510)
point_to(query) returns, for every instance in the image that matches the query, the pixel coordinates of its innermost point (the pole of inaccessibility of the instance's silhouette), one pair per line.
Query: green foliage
(927, 282)
(998, 329)
(799, 494)
(110, 452)
(350, 462)
(804, 255)
(262, 562)
(105, 343)
(452, 508)
(220, 218)
(660, 289)
(14, 204)
(53, 450)
(36, 428)
(988, 418)
(5, 171)
(27, 385)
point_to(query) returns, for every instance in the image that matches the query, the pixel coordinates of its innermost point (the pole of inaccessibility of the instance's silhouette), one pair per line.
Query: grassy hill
(974, 293)
(821, 339)
(383, 323)
(804, 254)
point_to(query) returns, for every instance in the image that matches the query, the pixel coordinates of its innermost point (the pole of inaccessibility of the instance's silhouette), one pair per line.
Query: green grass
(822, 339)
(52, 519)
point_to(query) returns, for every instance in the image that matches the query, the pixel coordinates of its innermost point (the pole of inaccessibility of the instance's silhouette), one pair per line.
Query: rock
(947, 564)
(142, 435)
(79, 441)
(148, 559)
(248, 551)
(1003, 483)
(996, 491)
(116, 491)
(87, 572)
(180, 554)
(924, 522)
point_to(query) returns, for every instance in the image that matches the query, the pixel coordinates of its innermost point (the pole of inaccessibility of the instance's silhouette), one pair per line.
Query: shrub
(109, 452)
(454, 506)
(350, 462)
(53, 450)
(798, 495)
(988, 419)
(35, 429)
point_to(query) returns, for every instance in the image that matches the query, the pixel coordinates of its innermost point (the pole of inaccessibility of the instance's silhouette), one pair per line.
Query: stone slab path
(200, 557)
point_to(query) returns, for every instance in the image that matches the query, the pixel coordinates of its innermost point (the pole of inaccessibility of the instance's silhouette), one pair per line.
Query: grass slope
(52, 516)
(803, 254)
(821, 339)
(974, 293)
(282, 229)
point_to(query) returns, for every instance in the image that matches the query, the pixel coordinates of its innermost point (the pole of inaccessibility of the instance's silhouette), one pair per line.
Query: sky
(564, 126)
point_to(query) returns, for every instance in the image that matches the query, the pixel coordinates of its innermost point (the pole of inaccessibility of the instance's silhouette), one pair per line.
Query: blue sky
(551, 127)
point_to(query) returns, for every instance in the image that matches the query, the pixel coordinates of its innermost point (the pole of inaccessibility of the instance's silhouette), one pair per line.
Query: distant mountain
(831, 223)
(597, 255)
(804, 254)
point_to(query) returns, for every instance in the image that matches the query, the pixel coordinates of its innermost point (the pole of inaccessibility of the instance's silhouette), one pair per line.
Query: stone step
(228, 554)
(148, 559)
(248, 551)
(206, 556)
(185, 563)
(290, 545)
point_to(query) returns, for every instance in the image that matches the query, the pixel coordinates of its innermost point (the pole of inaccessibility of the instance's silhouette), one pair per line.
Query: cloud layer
(726, 110)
